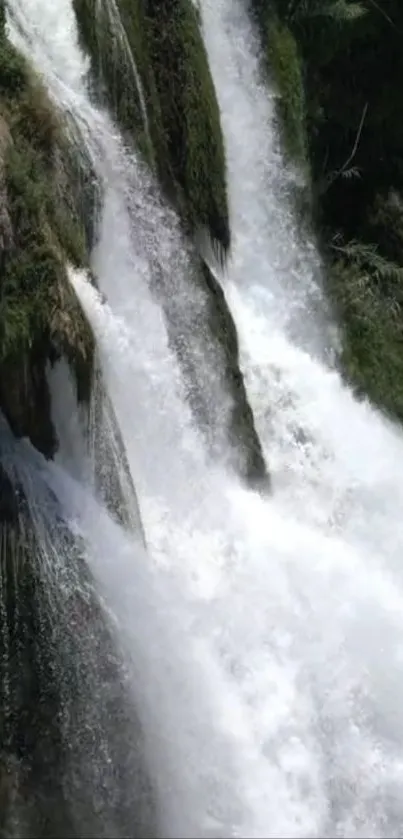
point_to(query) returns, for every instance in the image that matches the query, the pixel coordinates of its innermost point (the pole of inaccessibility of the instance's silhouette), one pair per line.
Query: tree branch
(333, 177)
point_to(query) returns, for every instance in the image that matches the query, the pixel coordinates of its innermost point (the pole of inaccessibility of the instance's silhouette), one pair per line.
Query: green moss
(183, 116)
(190, 114)
(285, 67)
(113, 67)
(40, 318)
(368, 294)
(285, 64)
(44, 235)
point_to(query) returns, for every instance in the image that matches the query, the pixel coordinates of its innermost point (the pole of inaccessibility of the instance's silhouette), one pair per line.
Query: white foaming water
(332, 459)
(286, 284)
(270, 656)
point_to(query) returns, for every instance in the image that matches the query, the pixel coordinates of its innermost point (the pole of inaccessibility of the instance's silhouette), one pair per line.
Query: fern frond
(367, 255)
(344, 11)
(351, 173)
(339, 10)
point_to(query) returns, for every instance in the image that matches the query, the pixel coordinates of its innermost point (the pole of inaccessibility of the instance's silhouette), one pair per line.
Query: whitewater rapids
(265, 636)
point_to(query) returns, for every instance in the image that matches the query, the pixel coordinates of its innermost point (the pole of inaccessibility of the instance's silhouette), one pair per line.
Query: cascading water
(335, 456)
(263, 636)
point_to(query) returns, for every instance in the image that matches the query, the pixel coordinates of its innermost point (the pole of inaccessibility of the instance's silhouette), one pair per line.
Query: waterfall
(259, 639)
(334, 455)
(271, 257)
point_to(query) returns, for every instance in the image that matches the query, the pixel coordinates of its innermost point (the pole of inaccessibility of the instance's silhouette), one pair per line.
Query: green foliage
(162, 41)
(35, 119)
(341, 11)
(44, 236)
(366, 256)
(368, 293)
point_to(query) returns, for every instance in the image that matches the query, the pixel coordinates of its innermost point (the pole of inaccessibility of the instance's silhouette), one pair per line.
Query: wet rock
(203, 335)
(71, 755)
(113, 480)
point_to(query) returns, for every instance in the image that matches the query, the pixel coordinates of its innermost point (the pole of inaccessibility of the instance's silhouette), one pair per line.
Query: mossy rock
(190, 114)
(184, 127)
(114, 66)
(41, 228)
(371, 319)
(286, 68)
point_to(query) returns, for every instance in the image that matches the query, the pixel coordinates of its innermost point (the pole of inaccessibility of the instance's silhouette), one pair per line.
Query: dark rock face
(71, 755)
(113, 481)
(203, 335)
(248, 454)
(9, 500)
(25, 402)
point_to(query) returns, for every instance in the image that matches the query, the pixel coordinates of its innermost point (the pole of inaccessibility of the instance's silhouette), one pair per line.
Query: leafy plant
(362, 254)
(341, 11)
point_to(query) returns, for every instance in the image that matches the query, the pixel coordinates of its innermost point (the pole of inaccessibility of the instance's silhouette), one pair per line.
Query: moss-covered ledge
(41, 228)
(283, 63)
(190, 113)
(162, 41)
(114, 62)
